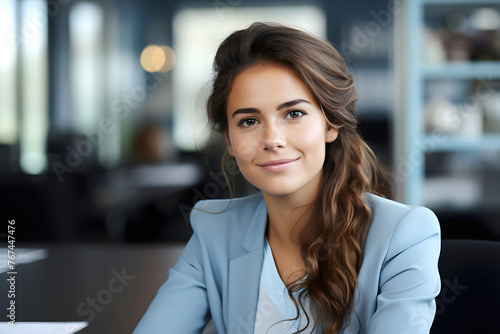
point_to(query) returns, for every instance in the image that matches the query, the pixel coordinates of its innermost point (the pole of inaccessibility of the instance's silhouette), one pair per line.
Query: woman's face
(277, 131)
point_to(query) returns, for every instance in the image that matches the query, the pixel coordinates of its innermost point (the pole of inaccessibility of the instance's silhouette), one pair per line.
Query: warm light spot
(169, 59)
(156, 58)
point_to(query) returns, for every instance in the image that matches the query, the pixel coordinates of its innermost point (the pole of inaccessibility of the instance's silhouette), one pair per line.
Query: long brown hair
(332, 245)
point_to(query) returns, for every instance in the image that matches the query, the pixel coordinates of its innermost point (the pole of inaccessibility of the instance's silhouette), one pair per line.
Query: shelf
(444, 143)
(467, 70)
(481, 207)
(485, 205)
(412, 84)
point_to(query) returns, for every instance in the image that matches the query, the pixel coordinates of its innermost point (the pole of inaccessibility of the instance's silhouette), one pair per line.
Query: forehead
(263, 85)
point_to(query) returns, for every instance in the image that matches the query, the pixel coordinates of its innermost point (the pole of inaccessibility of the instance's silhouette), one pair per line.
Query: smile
(276, 166)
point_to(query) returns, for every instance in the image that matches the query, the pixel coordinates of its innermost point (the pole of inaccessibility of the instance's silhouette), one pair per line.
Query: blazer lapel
(244, 275)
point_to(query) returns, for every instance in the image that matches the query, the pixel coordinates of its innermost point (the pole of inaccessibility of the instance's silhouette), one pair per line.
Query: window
(23, 81)
(8, 123)
(33, 102)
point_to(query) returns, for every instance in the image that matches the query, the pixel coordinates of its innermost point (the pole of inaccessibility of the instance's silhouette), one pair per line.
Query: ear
(331, 134)
(228, 143)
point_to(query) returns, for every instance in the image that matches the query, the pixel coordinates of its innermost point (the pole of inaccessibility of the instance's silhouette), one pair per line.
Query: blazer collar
(256, 227)
(244, 275)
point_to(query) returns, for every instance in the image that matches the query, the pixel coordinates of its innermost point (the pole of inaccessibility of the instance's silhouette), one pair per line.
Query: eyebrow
(281, 106)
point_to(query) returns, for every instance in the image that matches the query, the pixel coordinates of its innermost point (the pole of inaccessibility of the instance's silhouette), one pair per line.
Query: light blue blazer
(218, 274)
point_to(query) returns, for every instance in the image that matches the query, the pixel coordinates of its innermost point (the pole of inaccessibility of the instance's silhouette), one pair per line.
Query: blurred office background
(102, 132)
(103, 139)
(102, 127)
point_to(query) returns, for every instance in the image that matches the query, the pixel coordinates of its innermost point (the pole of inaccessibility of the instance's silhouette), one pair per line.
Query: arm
(409, 278)
(181, 304)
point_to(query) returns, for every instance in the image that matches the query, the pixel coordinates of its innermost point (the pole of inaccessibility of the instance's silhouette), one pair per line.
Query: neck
(289, 214)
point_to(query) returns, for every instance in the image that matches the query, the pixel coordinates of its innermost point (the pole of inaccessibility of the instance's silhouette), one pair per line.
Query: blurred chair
(469, 301)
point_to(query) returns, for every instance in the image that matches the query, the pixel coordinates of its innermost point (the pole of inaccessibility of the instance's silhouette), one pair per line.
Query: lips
(277, 165)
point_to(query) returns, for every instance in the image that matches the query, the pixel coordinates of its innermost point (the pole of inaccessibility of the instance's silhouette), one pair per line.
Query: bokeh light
(485, 19)
(156, 58)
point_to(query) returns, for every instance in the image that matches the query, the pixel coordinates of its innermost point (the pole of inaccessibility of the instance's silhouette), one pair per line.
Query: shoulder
(394, 214)
(401, 225)
(399, 276)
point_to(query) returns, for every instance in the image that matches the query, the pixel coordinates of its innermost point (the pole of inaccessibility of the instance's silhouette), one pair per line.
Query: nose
(273, 138)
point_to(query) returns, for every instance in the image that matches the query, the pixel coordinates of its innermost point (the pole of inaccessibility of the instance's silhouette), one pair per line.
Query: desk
(109, 286)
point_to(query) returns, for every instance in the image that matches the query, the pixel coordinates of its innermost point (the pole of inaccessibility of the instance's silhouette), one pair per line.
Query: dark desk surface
(63, 286)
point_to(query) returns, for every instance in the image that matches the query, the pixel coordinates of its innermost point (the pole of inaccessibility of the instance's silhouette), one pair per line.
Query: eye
(247, 122)
(295, 114)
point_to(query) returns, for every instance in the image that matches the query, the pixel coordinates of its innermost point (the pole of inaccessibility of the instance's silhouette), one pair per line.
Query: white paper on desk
(22, 255)
(42, 327)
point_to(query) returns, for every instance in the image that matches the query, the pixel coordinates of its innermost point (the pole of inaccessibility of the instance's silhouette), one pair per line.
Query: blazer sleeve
(181, 304)
(409, 278)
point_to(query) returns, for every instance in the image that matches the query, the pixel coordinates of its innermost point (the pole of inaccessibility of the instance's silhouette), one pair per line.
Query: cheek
(314, 147)
(245, 152)
(312, 142)
(244, 148)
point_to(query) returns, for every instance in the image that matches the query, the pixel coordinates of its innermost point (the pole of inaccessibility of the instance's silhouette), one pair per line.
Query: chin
(277, 193)
(286, 186)
(278, 190)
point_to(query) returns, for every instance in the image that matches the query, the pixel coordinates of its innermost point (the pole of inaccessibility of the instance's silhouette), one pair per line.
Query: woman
(317, 250)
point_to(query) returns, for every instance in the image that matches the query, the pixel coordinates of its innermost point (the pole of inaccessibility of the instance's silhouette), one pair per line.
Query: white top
(274, 304)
